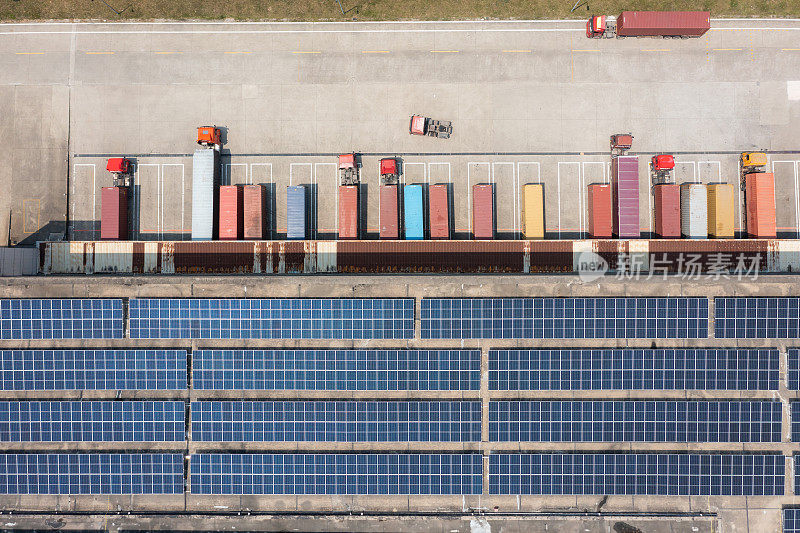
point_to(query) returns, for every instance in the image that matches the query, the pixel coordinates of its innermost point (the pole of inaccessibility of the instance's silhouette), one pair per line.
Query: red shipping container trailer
(600, 211)
(348, 211)
(625, 189)
(667, 199)
(663, 23)
(114, 213)
(390, 227)
(483, 211)
(439, 211)
(255, 202)
(760, 202)
(230, 212)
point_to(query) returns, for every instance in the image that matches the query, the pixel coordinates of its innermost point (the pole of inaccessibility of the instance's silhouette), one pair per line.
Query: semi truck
(649, 24)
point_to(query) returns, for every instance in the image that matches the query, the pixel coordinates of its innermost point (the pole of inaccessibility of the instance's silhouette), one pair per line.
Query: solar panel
(287, 318)
(791, 520)
(756, 318)
(336, 474)
(635, 421)
(564, 318)
(345, 421)
(336, 369)
(795, 421)
(91, 473)
(92, 421)
(92, 370)
(793, 369)
(634, 369)
(61, 319)
(796, 475)
(668, 474)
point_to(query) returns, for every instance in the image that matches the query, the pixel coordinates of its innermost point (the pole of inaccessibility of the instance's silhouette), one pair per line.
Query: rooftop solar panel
(91, 473)
(92, 421)
(796, 475)
(336, 369)
(346, 421)
(564, 318)
(667, 474)
(33, 370)
(757, 318)
(791, 520)
(635, 369)
(793, 369)
(287, 318)
(404, 474)
(635, 421)
(61, 319)
(795, 421)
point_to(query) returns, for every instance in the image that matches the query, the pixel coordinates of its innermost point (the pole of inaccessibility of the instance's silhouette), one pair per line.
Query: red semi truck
(650, 24)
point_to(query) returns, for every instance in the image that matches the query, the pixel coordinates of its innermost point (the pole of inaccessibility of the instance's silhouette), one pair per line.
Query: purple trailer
(625, 182)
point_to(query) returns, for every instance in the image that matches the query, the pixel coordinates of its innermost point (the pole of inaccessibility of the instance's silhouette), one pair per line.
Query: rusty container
(114, 213)
(254, 207)
(667, 200)
(600, 211)
(389, 216)
(439, 211)
(483, 211)
(625, 189)
(230, 213)
(348, 211)
(760, 202)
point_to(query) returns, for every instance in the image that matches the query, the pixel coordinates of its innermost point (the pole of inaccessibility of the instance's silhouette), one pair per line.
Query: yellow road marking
(516, 51)
(445, 51)
(790, 49)
(656, 50)
(99, 53)
(306, 52)
(30, 53)
(574, 50)
(374, 51)
(726, 49)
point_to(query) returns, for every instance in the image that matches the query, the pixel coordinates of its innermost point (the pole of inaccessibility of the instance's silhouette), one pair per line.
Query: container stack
(255, 202)
(667, 198)
(389, 219)
(625, 184)
(720, 211)
(694, 211)
(230, 213)
(412, 208)
(483, 211)
(205, 207)
(439, 211)
(114, 214)
(600, 211)
(295, 212)
(760, 202)
(533, 211)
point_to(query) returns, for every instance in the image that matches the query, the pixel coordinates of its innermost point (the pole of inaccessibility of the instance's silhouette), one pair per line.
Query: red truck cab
(662, 162)
(119, 165)
(596, 26)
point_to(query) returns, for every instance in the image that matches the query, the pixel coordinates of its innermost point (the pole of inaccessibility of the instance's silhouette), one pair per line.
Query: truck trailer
(649, 24)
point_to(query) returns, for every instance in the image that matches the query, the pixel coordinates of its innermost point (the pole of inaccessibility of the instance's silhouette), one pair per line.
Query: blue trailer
(296, 212)
(414, 216)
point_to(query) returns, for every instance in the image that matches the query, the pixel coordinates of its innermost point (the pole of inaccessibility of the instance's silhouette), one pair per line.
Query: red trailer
(388, 212)
(254, 206)
(114, 213)
(668, 210)
(348, 211)
(600, 210)
(230, 212)
(650, 24)
(439, 211)
(760, 205)
(483, 211)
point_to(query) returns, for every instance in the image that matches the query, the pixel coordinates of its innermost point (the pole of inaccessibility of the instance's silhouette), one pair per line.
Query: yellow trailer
(533, 211)
(720, 210)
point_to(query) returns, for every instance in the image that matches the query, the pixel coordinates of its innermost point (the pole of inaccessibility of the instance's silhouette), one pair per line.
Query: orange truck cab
(596, 26)
(208, 135)
(417, 126)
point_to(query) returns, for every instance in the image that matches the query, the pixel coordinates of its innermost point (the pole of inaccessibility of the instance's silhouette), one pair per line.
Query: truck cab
(596, 26)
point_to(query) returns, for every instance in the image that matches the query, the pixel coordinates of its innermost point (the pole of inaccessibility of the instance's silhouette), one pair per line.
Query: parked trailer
(760, 205)
(601, 211)
(114, 213)
(389, 219)
(296, 212)
(667, 208)
(205, 206)
(533, 212)
(255, 203)
(720, 210)
(650, 24)
(231, 211)
(694, 211)
(439, 211)
(348, 211)
(413, 213)
(483, 211)
(625, 187)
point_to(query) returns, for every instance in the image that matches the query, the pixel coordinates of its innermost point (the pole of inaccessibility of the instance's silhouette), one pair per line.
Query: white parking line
(74, 195)
(796, 191)
(532, 163)
(291, 170)
(515, 196)
(183, 188)
(402, 179)
(580, 196)
(694, 167)
(440, 163)
(709, 164)
(315, 194)
(469, 188)
(137, 178)
(253, 165)
(226, 176)
(582, 189)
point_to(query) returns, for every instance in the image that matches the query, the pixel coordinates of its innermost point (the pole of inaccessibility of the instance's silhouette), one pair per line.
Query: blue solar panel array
(95, 473)
(61, 319)
(795, 424)
(564, 318)
(629, 369)
(92, 421)
(336, 369)
(345, 421)
(793, 369)
(287, 318)
(639, 474)
(791, 520)
(796, 475)
(33, 370)
(336, 474)
(635, 421)
(756, 318)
